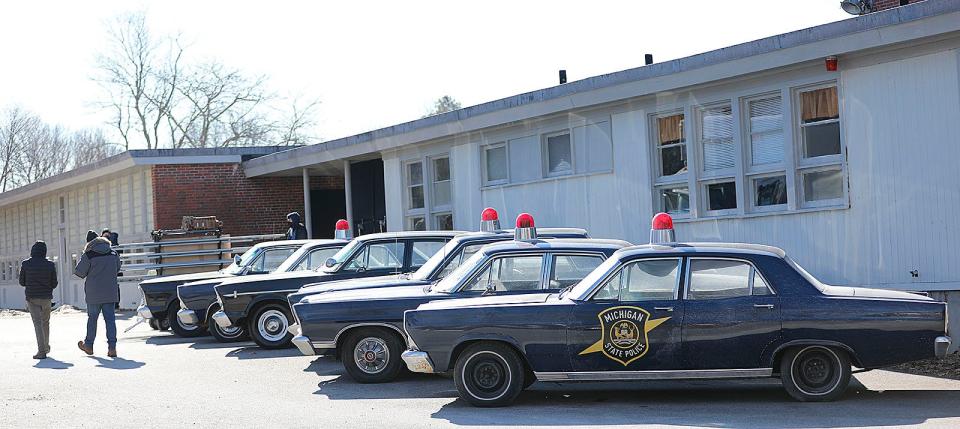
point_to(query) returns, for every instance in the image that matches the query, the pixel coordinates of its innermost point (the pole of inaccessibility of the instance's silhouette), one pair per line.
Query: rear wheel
(224, 335)
(268, 326)
(180, 328)
(372, 355)
(489, 375)
(815, 373)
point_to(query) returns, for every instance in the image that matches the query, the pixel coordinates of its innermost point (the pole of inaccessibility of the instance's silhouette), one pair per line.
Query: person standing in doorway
(297, 231)
(98, 266)
(38, 276)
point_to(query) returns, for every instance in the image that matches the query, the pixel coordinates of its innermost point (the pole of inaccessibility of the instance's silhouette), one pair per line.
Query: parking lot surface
(161, 380)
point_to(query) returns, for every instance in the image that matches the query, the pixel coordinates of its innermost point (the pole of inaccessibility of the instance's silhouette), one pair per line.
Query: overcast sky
(375, 64)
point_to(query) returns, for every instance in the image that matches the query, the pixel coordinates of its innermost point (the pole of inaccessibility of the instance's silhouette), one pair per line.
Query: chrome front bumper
(941, 345)
(221, 318)
(188, 317)
(144, 312)
(418, 361)
(294, 329)
(303, 343)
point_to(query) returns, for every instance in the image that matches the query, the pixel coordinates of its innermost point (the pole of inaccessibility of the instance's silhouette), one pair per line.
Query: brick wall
(246, 206)
(879, 5)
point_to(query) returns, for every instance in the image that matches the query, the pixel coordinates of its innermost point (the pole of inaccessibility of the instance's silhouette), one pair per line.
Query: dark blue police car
(676, 311)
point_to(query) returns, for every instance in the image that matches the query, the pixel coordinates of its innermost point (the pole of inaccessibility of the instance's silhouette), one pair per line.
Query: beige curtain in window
(670, 128)
(819, 104)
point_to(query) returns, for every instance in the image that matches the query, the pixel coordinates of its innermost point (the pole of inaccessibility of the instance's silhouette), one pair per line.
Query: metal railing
(147, 259)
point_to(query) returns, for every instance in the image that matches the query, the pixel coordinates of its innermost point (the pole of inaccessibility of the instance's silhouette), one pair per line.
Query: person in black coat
(296, 231)
(38, 276)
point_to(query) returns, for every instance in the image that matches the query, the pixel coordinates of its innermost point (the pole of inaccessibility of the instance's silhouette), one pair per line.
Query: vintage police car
(198, 300)
(457, 250)
(160, 303)
(677, 311)
(259, 304)
(365, 326)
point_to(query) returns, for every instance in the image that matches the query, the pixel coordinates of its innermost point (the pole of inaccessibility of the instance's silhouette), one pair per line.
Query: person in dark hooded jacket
(98, 266)
(91, 235)
(297, 231)
(38, 276)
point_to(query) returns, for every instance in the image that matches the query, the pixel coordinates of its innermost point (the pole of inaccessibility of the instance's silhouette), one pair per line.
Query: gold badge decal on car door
(624, 333)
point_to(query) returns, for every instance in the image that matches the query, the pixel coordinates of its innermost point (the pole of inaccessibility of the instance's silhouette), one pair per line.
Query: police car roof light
(661, 229)
(489, 220)
(525, 229)
(342, 230)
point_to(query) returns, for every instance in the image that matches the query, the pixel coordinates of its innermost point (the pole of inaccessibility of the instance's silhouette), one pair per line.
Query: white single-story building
(837, 143)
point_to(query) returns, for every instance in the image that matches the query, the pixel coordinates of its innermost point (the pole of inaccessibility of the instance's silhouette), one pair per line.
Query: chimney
(647, 59)
(878, 5)
(563, 77)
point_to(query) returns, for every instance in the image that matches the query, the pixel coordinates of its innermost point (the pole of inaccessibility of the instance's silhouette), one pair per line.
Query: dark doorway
(367, 193)
(327, 207)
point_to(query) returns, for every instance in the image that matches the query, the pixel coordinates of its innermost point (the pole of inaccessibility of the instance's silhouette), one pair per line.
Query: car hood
(184, 278)
(488, 301)
(355, 284)
(399, 292)
(863, 292)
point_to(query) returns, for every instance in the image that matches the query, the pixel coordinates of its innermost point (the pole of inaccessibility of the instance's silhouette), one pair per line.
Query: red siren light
(661, 229)
(342, 230)
(525, 229)
(489, 220)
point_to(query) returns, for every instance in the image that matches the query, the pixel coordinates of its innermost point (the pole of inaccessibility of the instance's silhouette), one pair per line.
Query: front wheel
(489, 375)
(228, 335)
(181, 329)
(372, 355)
(815, 373)
(268, 326)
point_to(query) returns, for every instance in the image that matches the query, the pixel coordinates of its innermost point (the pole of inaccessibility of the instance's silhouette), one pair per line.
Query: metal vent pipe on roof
(563, 77)
(647, 59)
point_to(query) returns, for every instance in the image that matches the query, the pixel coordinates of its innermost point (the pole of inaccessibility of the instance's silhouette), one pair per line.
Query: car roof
(410, 234)
(324, 242)
(555, 244)
(692, 248)
(509, 233)
(277, 243)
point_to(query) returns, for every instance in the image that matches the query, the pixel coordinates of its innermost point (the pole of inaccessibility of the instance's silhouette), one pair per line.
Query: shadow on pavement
(254, 352)
(208, 343)
(407, 385)
(166, 339)
(117, 363)
(51, 363)
(708, 404)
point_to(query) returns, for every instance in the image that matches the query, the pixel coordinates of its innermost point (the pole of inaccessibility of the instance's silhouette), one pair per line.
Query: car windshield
(593, 278)
(449, 283)
(341, 256)
(436, 260)
(245, 259)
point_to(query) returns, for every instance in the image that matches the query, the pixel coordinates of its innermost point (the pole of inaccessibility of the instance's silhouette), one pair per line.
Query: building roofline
(133, 158)
(450, 123)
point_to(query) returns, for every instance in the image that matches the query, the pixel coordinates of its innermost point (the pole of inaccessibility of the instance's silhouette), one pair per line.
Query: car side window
(718, 278)
(511, 273)
(378, 256)
(760, 286)
(315, 258)
(455, 262)
(569, 269)
(423, 250)
(644, 280)
(270, 259)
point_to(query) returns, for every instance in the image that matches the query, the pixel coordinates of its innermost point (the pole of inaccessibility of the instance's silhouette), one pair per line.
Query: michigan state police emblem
(624, 333)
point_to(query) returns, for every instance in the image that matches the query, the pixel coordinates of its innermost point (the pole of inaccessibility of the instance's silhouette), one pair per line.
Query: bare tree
(89, 146)
(295, 126)
(443, 105)
(15, 126)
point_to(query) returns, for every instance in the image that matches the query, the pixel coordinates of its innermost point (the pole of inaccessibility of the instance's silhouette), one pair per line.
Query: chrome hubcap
(272, 325)
(371, 355)
(487, 375)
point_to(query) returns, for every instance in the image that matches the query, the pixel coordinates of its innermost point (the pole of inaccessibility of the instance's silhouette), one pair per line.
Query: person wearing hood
(297, 231)
(38, 276)
(98, 266)
(91, 235)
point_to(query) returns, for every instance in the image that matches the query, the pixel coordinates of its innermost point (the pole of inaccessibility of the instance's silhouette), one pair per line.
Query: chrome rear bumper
(221, 318)
(418, 361)
(188, 317)
(941, 345)
(144, 312)
(303, 344)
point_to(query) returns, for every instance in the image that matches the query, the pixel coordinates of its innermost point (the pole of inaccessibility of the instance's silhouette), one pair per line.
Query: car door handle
(663, 308)
(762, 305)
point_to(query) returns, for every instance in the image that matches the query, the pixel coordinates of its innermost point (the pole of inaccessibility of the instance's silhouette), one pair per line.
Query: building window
(671, 145)
(429, 195)
(716, 138)
(820, 164)
(721, 195)
(559, 154)
(674, 199)
(495, 164)
(770, 191)
(766, 130)
(820, 185)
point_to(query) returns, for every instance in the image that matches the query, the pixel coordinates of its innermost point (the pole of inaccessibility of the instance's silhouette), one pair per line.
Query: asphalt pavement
(163, 381)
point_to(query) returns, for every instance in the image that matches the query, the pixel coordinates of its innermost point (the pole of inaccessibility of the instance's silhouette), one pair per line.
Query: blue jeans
(109, 319)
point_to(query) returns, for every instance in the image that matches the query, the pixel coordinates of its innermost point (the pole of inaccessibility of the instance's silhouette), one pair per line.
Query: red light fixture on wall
(831, 63)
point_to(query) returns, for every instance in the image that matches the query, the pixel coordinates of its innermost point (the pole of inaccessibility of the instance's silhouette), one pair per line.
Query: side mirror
(236, 259)
(330, 262)
(490, 289)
